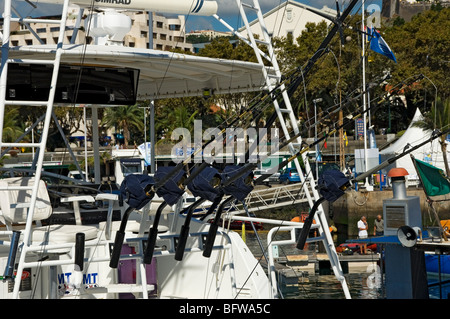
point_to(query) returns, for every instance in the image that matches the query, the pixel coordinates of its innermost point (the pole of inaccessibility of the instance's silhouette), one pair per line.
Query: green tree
(224, 48)
(337, 73)
(422, 46)
(11, 127)
(124, 118)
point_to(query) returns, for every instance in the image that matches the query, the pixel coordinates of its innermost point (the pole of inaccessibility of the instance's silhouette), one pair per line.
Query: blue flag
(378, 44)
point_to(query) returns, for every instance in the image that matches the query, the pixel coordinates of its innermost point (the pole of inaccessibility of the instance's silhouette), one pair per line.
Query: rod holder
(79, 250)
(184, 232)
(307, 224)
(9, 270)
(118, 241)
(152, 234)
(213, 229)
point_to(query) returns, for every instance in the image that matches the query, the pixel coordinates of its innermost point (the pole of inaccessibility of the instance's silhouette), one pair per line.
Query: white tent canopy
(430, 152)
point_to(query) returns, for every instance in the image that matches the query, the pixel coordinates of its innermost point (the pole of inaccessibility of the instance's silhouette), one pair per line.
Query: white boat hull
(231, 272)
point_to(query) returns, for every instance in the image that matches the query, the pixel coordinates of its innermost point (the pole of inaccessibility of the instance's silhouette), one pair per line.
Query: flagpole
(363, 36)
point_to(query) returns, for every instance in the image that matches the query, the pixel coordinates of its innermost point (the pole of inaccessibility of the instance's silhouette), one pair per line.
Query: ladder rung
(249, 6)
(32, 103)
(27, 20)
(17, 187)
(285, 110)
(21, 144)
(117, 288)
(31, 61)
(262, 42)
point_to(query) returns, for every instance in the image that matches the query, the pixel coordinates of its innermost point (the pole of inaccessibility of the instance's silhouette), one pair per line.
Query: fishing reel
(332, 185)
(172, 188)
(136, 190)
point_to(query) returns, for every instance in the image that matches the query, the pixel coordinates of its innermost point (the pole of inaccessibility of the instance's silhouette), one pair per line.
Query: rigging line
(289, 86)
(46, 242)
(282, 16)
(294, 80)
(82, 61)
(296, 272)
(258, 261)
(337, 85)
(348, 120)
(298, 20)
(173, 53)
(311, 62)
(349, 99)
(31, 10)
(276, 92)
(265, 80)
(83, 54)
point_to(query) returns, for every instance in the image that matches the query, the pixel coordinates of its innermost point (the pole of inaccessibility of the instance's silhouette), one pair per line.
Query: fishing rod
(152, 188)
(298, 76)
(166, 186)
(170, 196)
(219, 195)
(377, 81)
(297, 81)
(206, 186)
(334, 183)
(347, 120)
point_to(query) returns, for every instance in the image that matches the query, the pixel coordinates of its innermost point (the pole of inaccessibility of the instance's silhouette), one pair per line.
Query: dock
(292, 267)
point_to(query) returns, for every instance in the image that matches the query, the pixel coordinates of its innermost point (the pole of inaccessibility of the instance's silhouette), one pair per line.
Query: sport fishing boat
(155, 249)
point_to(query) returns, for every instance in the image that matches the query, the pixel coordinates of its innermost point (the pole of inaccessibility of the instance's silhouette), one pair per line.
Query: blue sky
(227, 10)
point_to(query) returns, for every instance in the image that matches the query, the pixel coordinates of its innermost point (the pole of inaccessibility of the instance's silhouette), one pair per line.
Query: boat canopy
(162, 74)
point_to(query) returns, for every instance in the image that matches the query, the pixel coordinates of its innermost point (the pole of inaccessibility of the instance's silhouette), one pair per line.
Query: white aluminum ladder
(288, 120)
(5, 60)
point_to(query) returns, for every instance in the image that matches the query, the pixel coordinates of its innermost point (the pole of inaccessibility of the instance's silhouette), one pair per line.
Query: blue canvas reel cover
(332, 185)
(241, 187)
(203, 184)
(170, 191)
(134, 190)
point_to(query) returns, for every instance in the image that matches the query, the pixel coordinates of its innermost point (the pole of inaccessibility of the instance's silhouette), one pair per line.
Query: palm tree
(11, 128)
(182, 118)
(438, 118)
(124, 118)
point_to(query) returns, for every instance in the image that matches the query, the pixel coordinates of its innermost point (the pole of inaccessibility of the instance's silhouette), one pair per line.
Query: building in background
(406, 9)
(290, 17)
(167, 33)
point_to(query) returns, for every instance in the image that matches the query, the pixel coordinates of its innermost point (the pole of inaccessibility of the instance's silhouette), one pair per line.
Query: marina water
(362, 282)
